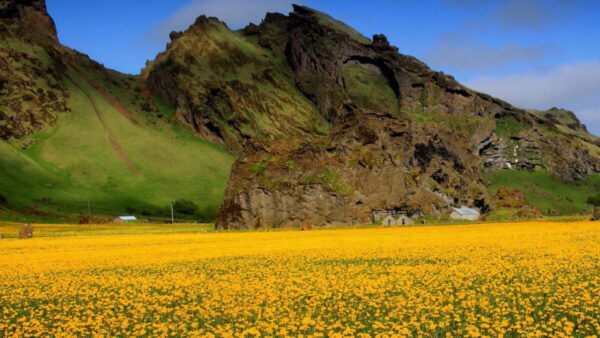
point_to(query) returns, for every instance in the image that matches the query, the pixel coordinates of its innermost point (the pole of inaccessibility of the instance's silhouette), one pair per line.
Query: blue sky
(532, 53)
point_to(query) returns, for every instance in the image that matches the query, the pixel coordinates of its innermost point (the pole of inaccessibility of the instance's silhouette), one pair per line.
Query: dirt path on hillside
(113, 142)
(119, 107)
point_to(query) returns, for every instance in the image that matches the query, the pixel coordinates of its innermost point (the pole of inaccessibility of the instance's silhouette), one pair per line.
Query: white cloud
(521, 14)
(236, 13)
(571, 86)
(460, 52)
(526, 13)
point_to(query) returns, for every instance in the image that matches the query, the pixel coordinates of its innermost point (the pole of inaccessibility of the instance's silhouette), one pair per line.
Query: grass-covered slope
(340, 26)
(546, 192)
(228, 88)
(73, 131)
(31, 93)
(369, 89)
(563, 117)
(112, 154)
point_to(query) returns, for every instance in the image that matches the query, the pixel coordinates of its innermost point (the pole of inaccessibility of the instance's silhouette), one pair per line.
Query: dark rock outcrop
(596, 216)
(369, 162)
(30, 78)
(227, 88)
(28, 20)
(566, 118)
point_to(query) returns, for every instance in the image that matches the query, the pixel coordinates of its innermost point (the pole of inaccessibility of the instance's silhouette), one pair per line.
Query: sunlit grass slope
(513, 279)
(118, 163)
(547, 192)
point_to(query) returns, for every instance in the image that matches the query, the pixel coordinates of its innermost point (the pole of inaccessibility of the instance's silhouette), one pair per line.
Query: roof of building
(464, 210)
(127, 218)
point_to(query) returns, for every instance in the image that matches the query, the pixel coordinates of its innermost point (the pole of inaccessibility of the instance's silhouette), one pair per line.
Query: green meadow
(547, 192)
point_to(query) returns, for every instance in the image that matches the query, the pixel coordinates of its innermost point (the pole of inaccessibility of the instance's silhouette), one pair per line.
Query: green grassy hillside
(369, 89)
(567, 122)
(546, 192)
(119, 159)
(327, 20)
(244, 90)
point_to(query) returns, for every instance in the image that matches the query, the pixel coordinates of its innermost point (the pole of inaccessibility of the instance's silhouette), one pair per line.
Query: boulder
(306, 225)
(596, 216)
(251, 29)
(509, 198)
(527, 213)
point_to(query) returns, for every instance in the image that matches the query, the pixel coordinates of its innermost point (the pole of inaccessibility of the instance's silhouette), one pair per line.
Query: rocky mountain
(28, 20)
(326, 125)
(30, 69)
(568, 123)
(402, 137)
(563, 117)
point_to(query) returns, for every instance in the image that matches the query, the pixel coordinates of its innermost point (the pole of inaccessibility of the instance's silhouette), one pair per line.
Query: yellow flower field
(533, 279)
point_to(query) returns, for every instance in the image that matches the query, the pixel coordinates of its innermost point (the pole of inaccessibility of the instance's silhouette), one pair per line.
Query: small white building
(125, 219)
(465, 213)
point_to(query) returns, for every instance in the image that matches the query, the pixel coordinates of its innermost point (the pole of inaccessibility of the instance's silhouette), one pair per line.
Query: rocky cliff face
(31, 69)
(27, 20)
(564, 117)
(370, 161)
(402, 137)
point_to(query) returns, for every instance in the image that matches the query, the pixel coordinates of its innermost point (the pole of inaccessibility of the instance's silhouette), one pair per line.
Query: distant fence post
(172, 216)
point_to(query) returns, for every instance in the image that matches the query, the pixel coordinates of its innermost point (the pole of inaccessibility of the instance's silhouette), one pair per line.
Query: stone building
(390, 220)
